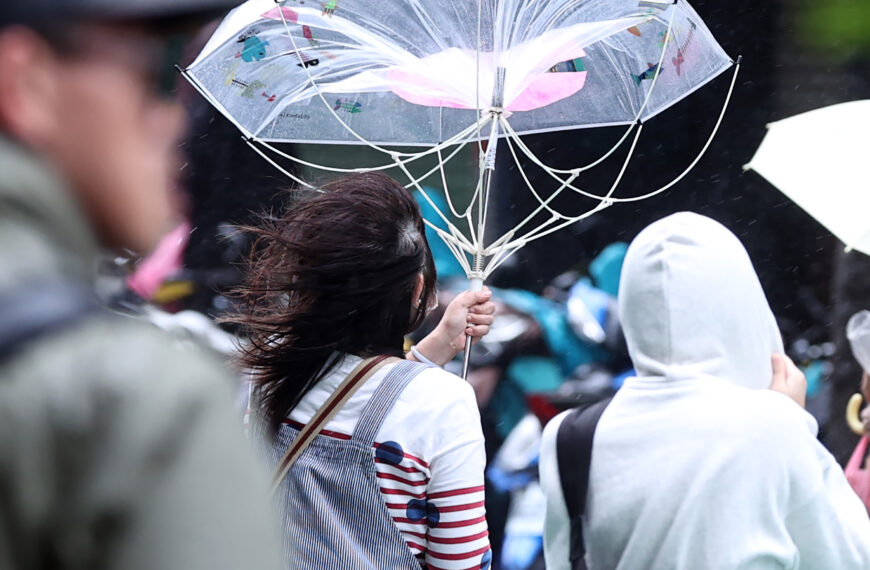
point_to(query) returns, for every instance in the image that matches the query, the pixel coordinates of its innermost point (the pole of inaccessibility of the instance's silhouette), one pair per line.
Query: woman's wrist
(436, 348)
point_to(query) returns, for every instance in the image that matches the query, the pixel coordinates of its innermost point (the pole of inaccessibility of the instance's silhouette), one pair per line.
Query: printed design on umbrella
(664, 38)
(253, 48)
(330, 7)
(284, 14)
(249, 90)
(648, 74)
(680, 59)
(347, 106)
(307, 59)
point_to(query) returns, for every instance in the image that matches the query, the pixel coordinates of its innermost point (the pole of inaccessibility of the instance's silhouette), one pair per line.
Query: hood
(692, 307)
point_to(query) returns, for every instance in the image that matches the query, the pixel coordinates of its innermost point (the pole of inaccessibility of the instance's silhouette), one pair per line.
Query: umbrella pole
(476, 284)
(477, 275)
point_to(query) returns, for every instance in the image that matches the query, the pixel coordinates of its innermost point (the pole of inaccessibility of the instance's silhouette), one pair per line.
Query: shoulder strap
(382, 400)
(574, 454)
(339, 397)
(30, 312)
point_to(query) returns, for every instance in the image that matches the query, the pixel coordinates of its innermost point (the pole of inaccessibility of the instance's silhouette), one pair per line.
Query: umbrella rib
(287, 173)
(604, 203)
(451, 243)
(703, 149)
(453, 210)
(425, 194)
(544, 204)
(411, 158)
(682, 174)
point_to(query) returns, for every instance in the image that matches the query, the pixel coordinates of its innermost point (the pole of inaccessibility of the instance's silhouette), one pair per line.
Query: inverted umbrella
(817, 159)
(445, 73)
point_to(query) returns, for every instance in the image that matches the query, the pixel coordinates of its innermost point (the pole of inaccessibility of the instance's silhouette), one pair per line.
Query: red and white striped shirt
(430, 460)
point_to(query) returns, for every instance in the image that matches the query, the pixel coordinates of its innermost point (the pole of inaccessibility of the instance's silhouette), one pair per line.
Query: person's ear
(418, 290)
(28, 88)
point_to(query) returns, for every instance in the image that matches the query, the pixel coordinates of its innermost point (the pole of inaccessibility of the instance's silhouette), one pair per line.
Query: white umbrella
(817, 160)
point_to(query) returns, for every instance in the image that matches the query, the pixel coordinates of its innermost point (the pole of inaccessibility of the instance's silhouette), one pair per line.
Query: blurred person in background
(118, 449)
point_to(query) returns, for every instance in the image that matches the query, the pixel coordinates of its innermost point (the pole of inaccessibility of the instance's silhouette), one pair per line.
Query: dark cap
(35, 12)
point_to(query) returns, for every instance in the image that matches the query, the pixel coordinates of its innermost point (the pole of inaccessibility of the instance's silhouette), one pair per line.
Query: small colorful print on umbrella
(680, 59)
(648, 74)
(348, 106)
(254, 49)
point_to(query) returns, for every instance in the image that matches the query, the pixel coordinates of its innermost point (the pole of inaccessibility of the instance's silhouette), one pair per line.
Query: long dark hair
(335, 273)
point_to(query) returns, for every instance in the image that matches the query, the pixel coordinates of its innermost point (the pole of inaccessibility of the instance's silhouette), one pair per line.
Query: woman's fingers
(477, 330)
(476, 319)
(487, 308)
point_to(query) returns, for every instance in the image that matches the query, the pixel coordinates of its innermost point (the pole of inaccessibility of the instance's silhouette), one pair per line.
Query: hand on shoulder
(788, 379)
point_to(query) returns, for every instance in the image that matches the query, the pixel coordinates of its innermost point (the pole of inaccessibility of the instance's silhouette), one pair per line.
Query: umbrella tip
(746, 167)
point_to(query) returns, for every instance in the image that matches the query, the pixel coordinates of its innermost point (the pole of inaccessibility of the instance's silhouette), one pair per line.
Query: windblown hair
(336, 273)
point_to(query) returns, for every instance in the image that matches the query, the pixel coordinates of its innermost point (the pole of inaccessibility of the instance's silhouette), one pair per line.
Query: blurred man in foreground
(118, 449)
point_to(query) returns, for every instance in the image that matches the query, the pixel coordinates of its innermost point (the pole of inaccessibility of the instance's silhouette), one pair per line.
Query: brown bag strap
(357, 377)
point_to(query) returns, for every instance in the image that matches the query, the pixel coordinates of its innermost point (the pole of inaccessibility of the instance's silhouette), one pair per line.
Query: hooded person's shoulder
(780, 414)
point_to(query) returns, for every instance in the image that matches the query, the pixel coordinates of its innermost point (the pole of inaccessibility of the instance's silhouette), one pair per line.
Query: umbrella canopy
(421, 72)
(817, 160)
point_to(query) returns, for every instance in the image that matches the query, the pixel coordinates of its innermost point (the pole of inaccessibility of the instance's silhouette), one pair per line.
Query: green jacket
(118, 448)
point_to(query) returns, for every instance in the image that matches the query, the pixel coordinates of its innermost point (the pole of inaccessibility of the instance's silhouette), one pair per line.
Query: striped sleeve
(458, 538)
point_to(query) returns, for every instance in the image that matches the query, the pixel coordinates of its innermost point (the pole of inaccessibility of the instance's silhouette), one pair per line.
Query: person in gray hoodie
(697, 462)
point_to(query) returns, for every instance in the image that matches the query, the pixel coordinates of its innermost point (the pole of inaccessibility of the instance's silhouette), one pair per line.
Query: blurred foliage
(839, 28)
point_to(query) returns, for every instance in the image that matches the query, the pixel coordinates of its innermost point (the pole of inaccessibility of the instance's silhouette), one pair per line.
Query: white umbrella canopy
(817, 159)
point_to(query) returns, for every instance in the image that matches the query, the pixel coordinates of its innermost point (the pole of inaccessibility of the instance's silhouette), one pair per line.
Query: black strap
(574, 453)
(40, 308)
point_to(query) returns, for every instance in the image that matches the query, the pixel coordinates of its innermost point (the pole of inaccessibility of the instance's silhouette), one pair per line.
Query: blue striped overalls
(334, 515)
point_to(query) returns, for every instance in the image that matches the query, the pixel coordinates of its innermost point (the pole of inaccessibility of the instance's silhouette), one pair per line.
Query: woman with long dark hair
(394, 479)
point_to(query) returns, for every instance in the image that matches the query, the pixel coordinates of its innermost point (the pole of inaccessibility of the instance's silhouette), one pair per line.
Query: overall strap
(574, 455)
(382, 400)
(358, 376)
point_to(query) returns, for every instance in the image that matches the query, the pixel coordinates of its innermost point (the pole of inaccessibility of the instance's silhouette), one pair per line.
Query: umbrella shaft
(476, 285)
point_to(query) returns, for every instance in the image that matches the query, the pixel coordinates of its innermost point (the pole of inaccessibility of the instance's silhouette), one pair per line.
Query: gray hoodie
(696, 464)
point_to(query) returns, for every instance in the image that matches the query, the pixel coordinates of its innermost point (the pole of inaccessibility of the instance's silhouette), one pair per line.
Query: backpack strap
(574, 454)
(38, 309)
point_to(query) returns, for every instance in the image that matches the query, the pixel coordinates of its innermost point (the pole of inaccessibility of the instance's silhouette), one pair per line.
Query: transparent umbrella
(441, 74)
